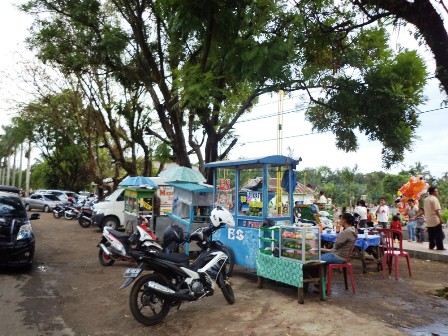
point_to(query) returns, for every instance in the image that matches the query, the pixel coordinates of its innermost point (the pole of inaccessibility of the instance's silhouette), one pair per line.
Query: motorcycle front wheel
(56, 215)
(230, 259)
(226, 287)
(104, 258)
(84, 222)
(147, 305)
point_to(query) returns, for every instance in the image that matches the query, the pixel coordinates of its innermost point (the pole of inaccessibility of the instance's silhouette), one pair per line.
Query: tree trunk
(180, 150)
(20, 166)
(2, 173)
(8, 171)
(211, 154)
(28, 170)
(13, 170)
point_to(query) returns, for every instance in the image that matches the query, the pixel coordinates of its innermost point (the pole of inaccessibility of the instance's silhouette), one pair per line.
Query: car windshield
(11, 207)
(51, 198)
(114, 195)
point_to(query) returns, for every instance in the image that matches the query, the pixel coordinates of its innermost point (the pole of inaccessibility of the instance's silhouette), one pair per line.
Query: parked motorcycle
(85, 215)
(115, 245)
(173, 239)
(67, 211)
(173, 281)
(71, 212)
(58, 211)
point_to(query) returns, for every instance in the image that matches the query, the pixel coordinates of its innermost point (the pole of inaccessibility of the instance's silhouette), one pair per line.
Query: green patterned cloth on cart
(278, 269)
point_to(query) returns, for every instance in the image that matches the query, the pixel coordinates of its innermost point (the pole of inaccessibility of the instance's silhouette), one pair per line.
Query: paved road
(69, 293)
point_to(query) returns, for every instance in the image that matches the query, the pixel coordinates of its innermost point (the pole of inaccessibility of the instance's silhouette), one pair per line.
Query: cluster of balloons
(413, 189)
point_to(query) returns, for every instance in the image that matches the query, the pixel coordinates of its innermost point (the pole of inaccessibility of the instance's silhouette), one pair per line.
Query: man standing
(411, 211)
(361, 210)
(433, 219)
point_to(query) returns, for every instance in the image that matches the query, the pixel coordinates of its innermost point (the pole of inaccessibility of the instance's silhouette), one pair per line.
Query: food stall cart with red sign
(255, 191)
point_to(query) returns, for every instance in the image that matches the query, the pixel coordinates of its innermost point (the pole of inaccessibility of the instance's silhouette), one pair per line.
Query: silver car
(45, 202)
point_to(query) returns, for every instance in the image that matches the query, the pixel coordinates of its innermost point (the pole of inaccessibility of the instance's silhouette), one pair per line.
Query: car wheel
(46, 208)
(27, 207)
(110, 222)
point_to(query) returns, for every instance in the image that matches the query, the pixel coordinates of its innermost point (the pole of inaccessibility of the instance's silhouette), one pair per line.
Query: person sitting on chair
(344, 242)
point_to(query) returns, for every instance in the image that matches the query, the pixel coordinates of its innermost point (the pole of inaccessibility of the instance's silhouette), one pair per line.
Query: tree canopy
(191, 69)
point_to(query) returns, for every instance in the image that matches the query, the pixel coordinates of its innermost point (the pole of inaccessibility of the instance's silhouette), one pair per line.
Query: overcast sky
(258, 137)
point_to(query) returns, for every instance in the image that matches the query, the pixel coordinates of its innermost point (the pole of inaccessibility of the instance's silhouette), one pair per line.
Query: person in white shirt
(382, 213)
(361, 210)
(322, 199)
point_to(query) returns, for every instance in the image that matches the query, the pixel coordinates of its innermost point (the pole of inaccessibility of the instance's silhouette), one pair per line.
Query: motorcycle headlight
(26, 231)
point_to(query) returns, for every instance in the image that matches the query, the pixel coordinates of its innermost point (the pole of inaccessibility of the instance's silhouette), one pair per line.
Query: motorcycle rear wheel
(84, 222)
(145, 300)
(226, 288)
(68, 217)
(105, 259)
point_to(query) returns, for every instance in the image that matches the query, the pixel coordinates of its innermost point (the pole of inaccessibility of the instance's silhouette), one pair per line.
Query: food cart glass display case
(300, 243)
(137, 201)
(255, 191)
(191, 207)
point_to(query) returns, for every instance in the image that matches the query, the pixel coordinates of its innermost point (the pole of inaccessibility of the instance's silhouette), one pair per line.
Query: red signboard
(224, 184)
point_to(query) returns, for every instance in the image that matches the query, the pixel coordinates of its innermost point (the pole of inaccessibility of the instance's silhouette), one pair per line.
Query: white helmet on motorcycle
(221, 216)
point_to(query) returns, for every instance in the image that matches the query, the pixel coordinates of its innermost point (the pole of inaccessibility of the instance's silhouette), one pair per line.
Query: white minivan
(110, 212)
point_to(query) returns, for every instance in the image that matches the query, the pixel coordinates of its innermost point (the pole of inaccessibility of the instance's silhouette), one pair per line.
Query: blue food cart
(255, 191)
(191, 207)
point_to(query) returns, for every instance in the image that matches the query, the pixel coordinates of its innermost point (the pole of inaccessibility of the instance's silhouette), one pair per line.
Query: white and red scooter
(116, 245)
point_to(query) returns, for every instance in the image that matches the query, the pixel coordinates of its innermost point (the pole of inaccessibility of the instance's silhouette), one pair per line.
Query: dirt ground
(69, 293)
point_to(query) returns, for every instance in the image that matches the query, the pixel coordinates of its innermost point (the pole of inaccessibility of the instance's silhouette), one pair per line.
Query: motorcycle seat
(119, 235)
(178, 258)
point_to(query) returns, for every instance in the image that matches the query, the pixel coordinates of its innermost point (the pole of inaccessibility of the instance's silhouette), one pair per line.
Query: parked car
(45, 202)
(17, 242)
(63, 195)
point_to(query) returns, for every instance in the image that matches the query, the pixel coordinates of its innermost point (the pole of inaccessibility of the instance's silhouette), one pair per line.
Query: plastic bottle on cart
(366, 233)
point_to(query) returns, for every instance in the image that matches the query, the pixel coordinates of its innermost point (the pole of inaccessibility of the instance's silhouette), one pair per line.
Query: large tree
(54, 130)
(204, 63)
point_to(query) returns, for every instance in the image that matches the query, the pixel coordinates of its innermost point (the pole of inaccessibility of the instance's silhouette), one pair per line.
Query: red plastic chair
(389, 251)
(346, 266)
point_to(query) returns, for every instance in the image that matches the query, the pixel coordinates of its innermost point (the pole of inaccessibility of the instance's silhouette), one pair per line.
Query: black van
(17, 241)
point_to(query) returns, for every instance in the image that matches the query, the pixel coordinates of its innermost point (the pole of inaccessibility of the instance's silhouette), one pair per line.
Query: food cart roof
(278, 160)
(190, 186)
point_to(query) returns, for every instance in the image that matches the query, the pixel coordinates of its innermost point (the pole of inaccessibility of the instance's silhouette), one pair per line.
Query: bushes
(444, 215)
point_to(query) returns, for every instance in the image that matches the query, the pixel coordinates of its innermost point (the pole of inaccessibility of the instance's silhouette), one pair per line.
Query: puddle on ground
(435, 329)
(439, 328)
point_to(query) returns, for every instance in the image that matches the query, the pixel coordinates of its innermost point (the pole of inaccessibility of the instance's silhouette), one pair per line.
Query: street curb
(434, 256)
